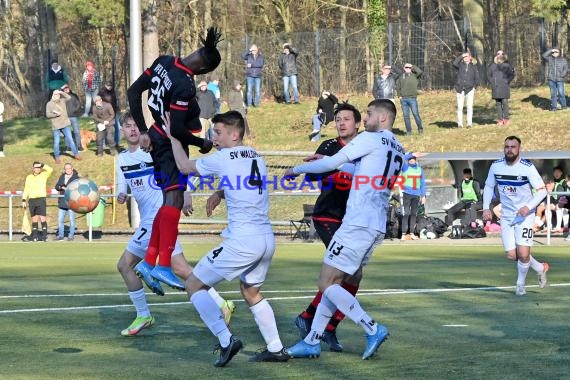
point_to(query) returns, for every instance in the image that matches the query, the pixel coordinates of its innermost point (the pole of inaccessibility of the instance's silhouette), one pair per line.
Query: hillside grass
(286, 127)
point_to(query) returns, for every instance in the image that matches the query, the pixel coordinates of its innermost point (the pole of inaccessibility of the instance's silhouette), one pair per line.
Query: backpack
(467, 232)
(431, 224)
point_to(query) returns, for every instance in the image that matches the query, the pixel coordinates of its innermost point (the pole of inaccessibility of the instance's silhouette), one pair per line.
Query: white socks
(522, 271)
(265, 319)
(323, 314)
(212, 316)
(536, 265)
(216, 297)
(138, 298)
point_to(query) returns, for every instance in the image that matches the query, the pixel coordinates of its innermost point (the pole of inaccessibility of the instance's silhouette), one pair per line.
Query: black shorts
(166, 173)
(326, 229)
(37, 206)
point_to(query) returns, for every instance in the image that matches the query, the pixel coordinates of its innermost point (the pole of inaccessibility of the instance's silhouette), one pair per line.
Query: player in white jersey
(378, 157)
(249, 242)
(516, 178)
(135, 170)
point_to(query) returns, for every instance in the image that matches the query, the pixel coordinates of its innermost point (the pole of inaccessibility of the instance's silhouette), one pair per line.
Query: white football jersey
(378, 158)
(515, 184)
(136, 170)
(241, 171)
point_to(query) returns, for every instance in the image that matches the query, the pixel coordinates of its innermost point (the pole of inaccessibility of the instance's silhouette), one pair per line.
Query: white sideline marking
(455, 325)
(361, 293)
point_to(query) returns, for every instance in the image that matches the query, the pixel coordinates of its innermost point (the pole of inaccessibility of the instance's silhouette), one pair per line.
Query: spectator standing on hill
(467, 80)
(91, 82)
(207, 102)
(288, 66)
(2, 130)
(73, 105)
(557, 71)
(414, 194)
(104, 116)
(516, 178)
(407, 89)
(501, 73)
(254, 62)
(107, 93)
(469, 193)
(214, 88)
(34, 199)
(56, 77)
(385, 84)
(324, 114)
(236, 103)
(56, 111)
(69, 175)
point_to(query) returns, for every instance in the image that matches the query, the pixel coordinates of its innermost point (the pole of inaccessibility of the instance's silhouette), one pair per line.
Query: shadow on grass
(445, 124)
(538, 102)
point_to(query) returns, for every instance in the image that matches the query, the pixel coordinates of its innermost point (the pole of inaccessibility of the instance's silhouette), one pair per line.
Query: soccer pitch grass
(451, 311)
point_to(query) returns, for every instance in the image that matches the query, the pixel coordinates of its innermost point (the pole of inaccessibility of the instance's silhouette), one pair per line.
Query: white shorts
(248, 257)
(141, 238)
(518, 234)
(351, 247)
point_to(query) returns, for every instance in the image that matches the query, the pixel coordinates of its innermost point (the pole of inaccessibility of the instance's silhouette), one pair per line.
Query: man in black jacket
(469, 192)
(69, 175)
(467, 80)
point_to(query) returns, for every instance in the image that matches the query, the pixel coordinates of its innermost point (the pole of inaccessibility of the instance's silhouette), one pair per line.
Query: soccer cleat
(165, 275)
(138, 324)
(264, 355)
(329, 337)
(304, 325)
(542, 276)
(520, 291)
(374, 341)
(226, 354)
(228, 309)
(304, 350)
(143, 270)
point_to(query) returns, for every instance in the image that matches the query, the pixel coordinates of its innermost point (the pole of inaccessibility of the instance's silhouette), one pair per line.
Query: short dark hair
(126, 115)
(558, 167)
(232, 119)
(467, 171)
(513, 138)
(385, 104)
(345, 106)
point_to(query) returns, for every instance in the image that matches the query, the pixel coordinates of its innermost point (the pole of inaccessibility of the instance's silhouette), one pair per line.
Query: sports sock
(138, 298)
(522, 269)
(44, 230)
(211, 316)
(34, 230)
(169, 220)
(265, 319)
(536, 265)
(152, 250)
(338, 315)
(349, 305)
(558, 218)
(310, 312)
(216, 297)
(323, 313)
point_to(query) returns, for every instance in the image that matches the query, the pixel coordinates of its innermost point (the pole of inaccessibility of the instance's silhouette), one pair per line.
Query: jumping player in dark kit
(171, 88)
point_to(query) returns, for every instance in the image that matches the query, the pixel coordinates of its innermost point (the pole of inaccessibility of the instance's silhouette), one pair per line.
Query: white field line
(361, 293)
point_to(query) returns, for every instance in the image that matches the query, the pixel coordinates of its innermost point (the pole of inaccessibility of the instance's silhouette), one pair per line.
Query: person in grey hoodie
(288, 66)
(557, 71)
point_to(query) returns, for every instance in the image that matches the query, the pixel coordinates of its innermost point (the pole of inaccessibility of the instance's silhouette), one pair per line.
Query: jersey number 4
(255, 179)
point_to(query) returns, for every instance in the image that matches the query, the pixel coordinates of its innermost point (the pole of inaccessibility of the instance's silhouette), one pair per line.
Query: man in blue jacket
(414, 194)
(557, 71)
(254, 66)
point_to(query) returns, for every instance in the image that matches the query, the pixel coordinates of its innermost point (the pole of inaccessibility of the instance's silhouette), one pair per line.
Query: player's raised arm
(134, 95)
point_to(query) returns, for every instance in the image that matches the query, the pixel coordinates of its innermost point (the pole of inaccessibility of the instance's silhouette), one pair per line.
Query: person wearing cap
(91, 82)
(171, 94)
(470, 199)
(407, 89)
(34, 198)
(414, 194)
(556, 74)
(236, 103)
(288, 66)
(56, 111)
(207, 102)
(108, 94)
(500, 74)
(467, 80)
(214, 88)
(56, 77)
(384, 84)
(73, 105)
(104, 117)
(254, 62)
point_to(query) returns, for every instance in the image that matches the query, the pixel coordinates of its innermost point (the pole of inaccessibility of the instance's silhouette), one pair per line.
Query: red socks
(152, 250)
(169, 219)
